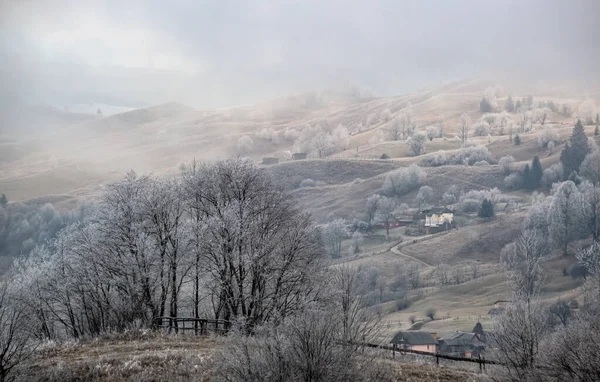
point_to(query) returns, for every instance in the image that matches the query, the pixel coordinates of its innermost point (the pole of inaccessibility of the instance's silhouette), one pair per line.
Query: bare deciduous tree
(385, 212)
(465, 123)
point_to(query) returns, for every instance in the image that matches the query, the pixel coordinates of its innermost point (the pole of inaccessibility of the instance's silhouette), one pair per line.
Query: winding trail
(395, 251)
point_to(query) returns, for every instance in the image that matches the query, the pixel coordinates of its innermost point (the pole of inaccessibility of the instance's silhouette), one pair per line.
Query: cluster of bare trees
(218, 241)
(536, 342)
(319, 343)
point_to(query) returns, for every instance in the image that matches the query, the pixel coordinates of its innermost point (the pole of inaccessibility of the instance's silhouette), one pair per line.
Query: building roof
(461, 339)
(437, 210)
(458, 338)
(414, 338)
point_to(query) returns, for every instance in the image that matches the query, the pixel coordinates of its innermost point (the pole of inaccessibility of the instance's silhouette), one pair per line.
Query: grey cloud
(246, 51)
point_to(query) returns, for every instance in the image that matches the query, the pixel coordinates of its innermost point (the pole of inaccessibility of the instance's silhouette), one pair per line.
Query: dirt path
(397, 252)
(396, 249)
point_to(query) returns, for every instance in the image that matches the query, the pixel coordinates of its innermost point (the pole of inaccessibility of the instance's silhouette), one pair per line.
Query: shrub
(402, 304)
(552, 174)
(506, 163)
(546, 136)
(517, 140)
(438, 158)
(471, 155)
(471, 201)
(402, 181)
(308, 183)
(430, 312)
(578, 271)
(481, 163)
(468, 155)
(513, 181)
(385, 156)
(412, 319)
(481, 129)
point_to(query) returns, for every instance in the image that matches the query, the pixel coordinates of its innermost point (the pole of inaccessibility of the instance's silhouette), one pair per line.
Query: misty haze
(299, 190)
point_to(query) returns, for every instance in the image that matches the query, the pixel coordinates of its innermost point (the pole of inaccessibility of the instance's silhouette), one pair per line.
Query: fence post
(480, 364)
(394, 351)
(437, 359)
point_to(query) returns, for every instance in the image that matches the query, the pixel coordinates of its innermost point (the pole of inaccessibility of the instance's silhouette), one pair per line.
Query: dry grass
(150, 357)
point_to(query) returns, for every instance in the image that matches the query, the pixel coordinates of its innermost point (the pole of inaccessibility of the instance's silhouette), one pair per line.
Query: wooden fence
(481, 361)
(199, 326)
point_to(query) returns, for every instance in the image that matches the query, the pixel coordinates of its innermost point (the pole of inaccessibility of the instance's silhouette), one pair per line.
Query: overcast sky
(217, 53)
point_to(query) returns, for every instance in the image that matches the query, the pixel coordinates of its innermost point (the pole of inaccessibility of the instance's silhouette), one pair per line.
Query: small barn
(419, 341)
(299, 156)
(270, 160)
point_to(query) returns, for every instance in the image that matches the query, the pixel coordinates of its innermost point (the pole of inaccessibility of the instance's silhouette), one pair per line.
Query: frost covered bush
(481, 129)
(245, 144)
(481, 163)
(546, 136)
(553, 174)
(438, 158)
(471, 201)
(467, 155)
(513, 181)
(471, 155)
(308, 183)
(268, 134)
(506, 163)
(402, 181)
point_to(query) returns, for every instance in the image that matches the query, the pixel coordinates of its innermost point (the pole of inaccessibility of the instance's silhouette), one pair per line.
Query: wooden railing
(199, 326)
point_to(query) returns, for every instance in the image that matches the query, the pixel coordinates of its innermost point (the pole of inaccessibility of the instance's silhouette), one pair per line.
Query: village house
(419, 341)
(464, 344)
(438, 219)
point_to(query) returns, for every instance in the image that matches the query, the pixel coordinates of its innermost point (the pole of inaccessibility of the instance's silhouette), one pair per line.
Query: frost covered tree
(416, 142)
(371, 208)
(509, 105)
(506, 163)
(340, 137)
(334, 233)
(402, 181)
(465, 123)
(546, 136)
(433, 132)
(245, 144)
(575, 150)
(16, 340)
(590, 168)
(564, 214)
(385, 212)
(395, 130)
(591, 209)
(323, 144)
(386, 115)
(541, 114)
(587, 112)
(424, 198)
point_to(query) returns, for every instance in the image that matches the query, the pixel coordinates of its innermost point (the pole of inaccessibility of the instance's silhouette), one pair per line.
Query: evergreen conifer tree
(509, 105)
(527, 178)
(487, 209)
(517, 140)
(536, 173)
(573, 155)
(518, 105)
